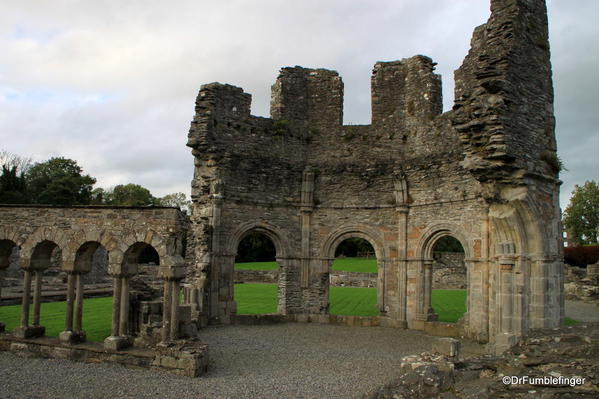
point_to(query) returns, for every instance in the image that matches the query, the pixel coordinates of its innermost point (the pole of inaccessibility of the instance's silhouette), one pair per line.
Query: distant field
(257, 266)
(364, 265)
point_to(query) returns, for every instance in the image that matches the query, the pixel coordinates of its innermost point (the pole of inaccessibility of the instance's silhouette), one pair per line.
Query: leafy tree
(13, 188)
(178, 200)
(448, 244)
(255, 247)
(353, 247)
(100, 196)
(581, 217)
(10, 160)
(59, 181)
(131, 195)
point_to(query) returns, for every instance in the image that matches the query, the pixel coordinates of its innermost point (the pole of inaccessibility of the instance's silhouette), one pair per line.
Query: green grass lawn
(256, 298)
(257, 266)
(364, 265)
(450, 305)
(97, 316)
(352, 301)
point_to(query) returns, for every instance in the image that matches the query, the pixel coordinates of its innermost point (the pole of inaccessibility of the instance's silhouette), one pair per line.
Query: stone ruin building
(485, 173)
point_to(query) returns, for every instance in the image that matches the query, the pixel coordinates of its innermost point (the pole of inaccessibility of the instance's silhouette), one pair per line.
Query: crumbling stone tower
(485, 172)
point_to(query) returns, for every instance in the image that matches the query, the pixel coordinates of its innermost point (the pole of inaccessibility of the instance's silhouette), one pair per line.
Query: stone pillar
(26, 299)
(25, 330)
(166, 311)
(174, 327)
(172, 276)
(65, 336)
(307, 205)
(402, 229)
(73, 334)
(79, 306)
(506, 337)
(124, 313)
(116, 341)
(428, 291)
(2, 267)
(37, 298)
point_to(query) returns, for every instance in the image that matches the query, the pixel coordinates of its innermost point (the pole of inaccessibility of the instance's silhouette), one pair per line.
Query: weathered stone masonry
(485, 172)
(78, 232)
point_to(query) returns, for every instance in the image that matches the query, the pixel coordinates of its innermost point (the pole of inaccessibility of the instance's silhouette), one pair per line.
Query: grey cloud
(147, 59)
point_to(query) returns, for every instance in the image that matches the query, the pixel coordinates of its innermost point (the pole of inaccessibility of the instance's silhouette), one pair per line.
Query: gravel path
(286, 360)
(581, 311)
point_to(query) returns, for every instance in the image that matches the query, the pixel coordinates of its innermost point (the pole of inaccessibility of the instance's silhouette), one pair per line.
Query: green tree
(13, 188)
(100, 196)
(131, 195)
(178, 200)
(59, 181)
(581, 217)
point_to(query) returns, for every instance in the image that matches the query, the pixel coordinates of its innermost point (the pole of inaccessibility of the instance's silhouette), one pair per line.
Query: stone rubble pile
(567, 352)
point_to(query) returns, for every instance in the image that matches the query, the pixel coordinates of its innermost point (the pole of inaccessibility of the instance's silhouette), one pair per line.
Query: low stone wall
(352, 279)
(582, 284)
(182, 358)
(449, 270)
(256, 276)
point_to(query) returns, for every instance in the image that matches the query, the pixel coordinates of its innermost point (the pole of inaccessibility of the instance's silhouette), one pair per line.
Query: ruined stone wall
(69, 227)
(484, 173)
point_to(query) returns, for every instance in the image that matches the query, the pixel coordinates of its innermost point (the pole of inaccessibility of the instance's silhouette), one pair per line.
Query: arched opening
(46, 255)
(11, 275)
(91, 263)
(137, 283)
(449, 279)
(353, 279)
(9, 253)
(7, 248)
(146, 260)
(256, 275)
(46, 258)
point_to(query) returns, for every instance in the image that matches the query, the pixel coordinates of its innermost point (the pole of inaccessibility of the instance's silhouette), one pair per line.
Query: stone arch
(280, 242)
(335, 238)
(59, 237)
(119, 245)
(6, 250)
(16, 236)
(133, 253)
(275, 234)
(41, 255)
(424, 251)
(84, 256)
(433, 233)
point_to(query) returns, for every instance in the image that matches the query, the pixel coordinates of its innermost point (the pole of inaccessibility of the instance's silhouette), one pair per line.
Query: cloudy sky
(112, 84)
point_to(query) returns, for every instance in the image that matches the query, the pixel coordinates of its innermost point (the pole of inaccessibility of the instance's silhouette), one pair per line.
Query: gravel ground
(581, 311)
(285, 360)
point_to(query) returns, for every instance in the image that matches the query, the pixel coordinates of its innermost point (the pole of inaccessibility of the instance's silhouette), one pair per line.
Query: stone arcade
(485, 173)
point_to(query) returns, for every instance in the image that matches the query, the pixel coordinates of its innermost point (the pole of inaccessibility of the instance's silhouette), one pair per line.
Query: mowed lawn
(363, 265)
(97, 316)
(347, 301)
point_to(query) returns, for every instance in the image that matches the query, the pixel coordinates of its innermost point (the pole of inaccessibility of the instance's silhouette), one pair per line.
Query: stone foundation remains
(582, 284)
